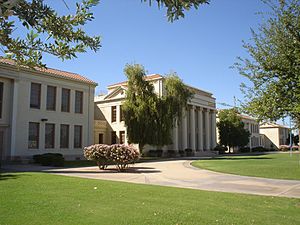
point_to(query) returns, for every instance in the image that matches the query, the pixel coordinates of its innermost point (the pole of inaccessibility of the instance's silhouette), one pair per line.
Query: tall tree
(47, 32)
(231, 129)
(273, 65)
(150, 118)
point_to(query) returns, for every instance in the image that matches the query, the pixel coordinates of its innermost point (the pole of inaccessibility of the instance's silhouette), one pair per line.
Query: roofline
(124, 83)
(43, 72)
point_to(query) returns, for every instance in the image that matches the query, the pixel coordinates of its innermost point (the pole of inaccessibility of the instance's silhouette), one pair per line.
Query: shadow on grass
(108, 170)
(5, 176)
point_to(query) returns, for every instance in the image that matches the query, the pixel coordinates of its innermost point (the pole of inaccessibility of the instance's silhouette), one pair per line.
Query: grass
(38, 198)
(278, 166)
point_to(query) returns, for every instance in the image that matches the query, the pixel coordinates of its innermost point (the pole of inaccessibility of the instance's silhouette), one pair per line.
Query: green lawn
(37, 198)
(279, 166)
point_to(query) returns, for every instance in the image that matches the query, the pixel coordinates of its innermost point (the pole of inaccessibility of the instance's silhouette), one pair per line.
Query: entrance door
(100, 138)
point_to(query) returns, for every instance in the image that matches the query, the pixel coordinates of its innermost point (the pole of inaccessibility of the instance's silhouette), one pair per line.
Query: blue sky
(200, 48)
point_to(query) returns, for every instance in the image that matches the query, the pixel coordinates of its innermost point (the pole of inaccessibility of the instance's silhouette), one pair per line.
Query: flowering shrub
(118, 154)
(285, 148)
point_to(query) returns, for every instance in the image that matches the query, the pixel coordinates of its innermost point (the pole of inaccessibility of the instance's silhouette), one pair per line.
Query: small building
(44, 111)
(197, 130)
(274, 135)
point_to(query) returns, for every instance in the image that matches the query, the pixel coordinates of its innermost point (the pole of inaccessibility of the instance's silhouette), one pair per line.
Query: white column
(118, 114)
(213, 129)
(184, 130)
(192, 128)
(14, 118)
(175, 137)
(207, 127)
(200, 130)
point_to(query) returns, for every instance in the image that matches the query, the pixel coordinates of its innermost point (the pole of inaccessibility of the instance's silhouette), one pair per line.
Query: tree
(273, 65)
(175, 9)
(48, 32)
(231, 129)
(149, 118)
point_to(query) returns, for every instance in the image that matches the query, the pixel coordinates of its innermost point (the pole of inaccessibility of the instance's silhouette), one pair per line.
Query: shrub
(118, 154)
(258, 149)
(221, 149)
(181, 153)
(159, 152)
(152, 153)
(49, 159)
(171, 153)
(189, 152)
(244, 149)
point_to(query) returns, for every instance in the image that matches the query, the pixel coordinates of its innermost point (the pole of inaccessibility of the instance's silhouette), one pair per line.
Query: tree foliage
(273, 65)
(47, 32)
(150, 118)
(231, 129)
(176, 8)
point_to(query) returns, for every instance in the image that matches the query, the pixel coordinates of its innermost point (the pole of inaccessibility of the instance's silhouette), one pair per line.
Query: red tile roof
(148, 77)
(55, 72)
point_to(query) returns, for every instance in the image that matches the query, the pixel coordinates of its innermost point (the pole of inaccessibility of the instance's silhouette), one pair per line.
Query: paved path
(180, 173)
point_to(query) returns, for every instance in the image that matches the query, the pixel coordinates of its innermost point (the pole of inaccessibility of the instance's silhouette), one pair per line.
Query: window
(49, 135)
(65, 100)
(100, 139)
(121, 114)
(35, 96)
(113, 137)
(77, 136)
(78, 101)
(64, 136)
(1, 98)
(113, 113)
(51, 98)
(122, 137)
(33, 135)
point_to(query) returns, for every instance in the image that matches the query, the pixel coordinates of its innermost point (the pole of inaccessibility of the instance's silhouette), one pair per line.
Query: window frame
(67, 141)
(52, 107)
(37, 135)
(114, 114)
(31, 104)
(63, 91)
(75, 143)
(52, 138)
(81, 102)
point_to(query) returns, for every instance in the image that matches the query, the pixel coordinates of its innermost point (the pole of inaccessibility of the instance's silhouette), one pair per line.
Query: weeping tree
(273, 64)
(149, 118)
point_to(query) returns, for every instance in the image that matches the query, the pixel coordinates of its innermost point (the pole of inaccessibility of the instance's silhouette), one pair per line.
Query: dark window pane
(78, 101)
(100, 138)
(113, 113)
(65, 100)
(122, 137)
(35, 96)
(49, 135)
(77, 136)
(64, 136)
(1, 98)
(51, 98)
(113, 137)
(33, 135)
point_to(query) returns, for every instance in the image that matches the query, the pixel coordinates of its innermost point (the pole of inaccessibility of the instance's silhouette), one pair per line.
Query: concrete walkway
(179, 173)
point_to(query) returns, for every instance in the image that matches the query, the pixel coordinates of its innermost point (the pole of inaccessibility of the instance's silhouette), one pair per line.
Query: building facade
(197, 131)
(274, 135)
(44, 111)
(252, 125)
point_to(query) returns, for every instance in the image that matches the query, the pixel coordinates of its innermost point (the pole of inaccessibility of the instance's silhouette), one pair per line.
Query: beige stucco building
(274, 135)
(44, 110)
(197, 130)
